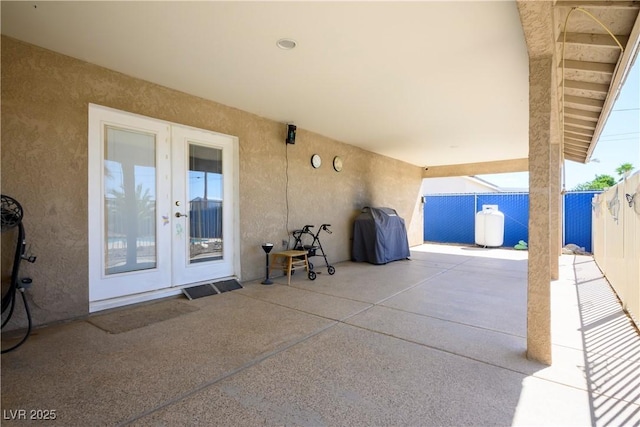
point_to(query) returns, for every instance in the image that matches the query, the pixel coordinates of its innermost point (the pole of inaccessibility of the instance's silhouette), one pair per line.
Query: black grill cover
(379, 236)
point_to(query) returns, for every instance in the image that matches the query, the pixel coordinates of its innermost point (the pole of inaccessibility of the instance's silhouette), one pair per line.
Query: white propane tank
(489, 226)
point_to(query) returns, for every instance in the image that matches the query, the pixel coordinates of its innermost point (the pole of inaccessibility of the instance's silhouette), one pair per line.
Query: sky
(619, 143)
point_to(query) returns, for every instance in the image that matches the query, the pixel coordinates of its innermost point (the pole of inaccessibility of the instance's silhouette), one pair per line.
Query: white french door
(162, 211)
(202, 209)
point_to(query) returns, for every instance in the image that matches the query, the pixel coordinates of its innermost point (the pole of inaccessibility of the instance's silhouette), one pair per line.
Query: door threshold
(95, 306)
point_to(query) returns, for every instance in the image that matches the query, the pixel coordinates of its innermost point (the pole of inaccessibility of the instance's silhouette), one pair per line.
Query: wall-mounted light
(291, 134)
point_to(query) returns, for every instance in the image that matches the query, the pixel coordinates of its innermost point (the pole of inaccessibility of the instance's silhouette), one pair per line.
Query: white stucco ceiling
(430, 83)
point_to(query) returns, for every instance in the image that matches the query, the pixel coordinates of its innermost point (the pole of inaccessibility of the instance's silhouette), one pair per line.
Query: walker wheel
(312, 275)
(331, 270)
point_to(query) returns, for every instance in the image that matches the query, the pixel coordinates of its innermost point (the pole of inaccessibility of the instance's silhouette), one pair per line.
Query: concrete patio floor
(436, 340)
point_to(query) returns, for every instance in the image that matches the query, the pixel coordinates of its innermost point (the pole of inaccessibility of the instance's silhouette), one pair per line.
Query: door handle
(178, 215)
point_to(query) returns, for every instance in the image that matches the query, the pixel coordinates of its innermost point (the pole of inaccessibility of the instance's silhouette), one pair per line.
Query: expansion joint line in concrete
(267, 355)
(226, 375)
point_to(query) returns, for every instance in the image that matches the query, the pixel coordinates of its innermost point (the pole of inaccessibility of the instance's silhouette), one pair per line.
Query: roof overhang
(596, 42)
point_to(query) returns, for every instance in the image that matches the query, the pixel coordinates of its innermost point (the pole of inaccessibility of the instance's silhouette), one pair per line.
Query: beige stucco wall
(45, 99)
(451, 185)
(616, 241)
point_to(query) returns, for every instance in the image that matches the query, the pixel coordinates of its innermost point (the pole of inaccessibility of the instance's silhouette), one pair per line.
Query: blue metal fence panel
(205, 219)
(577, 218)
(515, 207)
(449, 218)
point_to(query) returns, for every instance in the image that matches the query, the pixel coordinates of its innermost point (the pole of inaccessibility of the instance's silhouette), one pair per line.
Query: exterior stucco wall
(460, 184)
(45, 99)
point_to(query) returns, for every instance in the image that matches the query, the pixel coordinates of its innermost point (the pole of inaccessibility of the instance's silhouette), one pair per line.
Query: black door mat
(227, 285)
(199, 291)
(130, 318)
(215, 288)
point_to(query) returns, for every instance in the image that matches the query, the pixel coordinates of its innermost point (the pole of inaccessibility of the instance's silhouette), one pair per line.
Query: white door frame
(98, 116)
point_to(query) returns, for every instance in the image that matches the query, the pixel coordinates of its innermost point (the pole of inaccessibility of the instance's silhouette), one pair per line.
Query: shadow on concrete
(438, 340)
(611, 353)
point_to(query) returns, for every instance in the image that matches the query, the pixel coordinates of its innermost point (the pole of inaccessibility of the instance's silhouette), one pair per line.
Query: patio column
(555, 179)
(540, 231)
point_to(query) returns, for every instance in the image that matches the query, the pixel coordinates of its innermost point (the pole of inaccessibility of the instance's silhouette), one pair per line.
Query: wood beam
(580, 100)
(583, 114)
(569, 143)
(575, 151)
(592, 87)
(577, 122)
(595, 4)
(575, 140)
(577, 137)
(597, 40)
(468, 169)
(624, 66)
(592, 67)
(580, 131)
(575, 158)
(576, 146)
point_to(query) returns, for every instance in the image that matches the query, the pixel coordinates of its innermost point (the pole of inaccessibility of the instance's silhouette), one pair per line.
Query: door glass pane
(205, 203)
(129, 200)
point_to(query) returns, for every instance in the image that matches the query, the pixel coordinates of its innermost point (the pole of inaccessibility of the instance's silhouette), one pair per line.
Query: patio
(437, 340)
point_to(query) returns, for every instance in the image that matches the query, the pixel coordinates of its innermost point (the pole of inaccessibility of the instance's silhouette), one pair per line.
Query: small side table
(290, 261)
